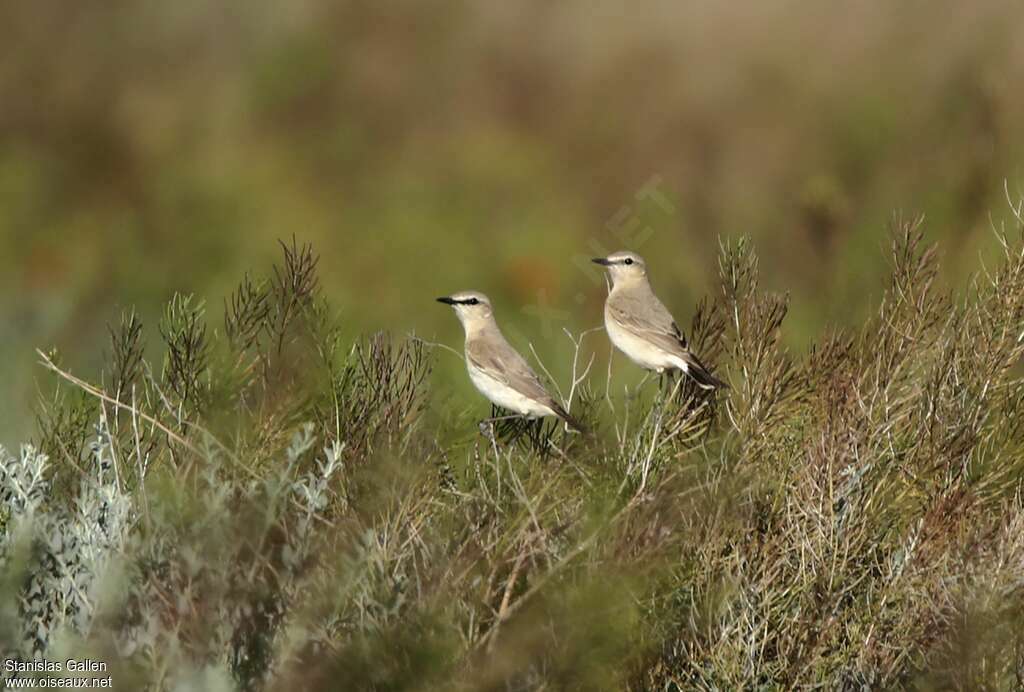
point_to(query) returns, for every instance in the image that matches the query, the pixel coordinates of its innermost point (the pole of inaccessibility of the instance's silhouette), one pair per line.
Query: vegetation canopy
(270, 503)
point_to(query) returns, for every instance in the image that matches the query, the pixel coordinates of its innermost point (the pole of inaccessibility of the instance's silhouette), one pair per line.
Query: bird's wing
(502, 362)
(646, 317)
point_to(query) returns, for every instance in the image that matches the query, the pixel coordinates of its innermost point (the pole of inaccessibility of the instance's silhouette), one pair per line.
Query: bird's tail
(701, 375)
(570, 420)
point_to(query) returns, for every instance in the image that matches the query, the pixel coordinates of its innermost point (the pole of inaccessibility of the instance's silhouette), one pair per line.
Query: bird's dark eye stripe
(467, 301)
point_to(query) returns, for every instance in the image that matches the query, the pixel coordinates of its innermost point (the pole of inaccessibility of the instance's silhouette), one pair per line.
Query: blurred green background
(426, 147)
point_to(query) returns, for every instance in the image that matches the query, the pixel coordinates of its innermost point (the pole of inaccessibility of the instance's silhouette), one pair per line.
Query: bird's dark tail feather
(570, 420)
(704, 378)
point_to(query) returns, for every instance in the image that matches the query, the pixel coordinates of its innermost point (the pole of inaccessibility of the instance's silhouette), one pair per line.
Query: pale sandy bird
(640, 326)
(497, 369)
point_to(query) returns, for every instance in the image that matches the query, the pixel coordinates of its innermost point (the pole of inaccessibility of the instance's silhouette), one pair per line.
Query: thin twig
(99, 393)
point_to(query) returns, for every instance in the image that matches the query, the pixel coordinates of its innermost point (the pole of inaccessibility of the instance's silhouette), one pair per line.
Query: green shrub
(268, 506)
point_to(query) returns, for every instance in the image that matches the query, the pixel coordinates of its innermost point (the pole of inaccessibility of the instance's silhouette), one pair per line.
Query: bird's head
(623, 266)
(471, 307)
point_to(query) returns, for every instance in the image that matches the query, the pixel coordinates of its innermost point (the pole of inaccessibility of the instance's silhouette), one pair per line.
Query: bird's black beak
(601, 260)
(446, 300)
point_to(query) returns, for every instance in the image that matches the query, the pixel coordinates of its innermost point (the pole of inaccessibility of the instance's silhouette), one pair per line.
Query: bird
(496, 369)
(639, 325)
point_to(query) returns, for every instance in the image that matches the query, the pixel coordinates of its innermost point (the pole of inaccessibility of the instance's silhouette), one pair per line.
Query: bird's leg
(647, 376)
(521, 429)
(659, 399)
(674, 384)
(487, 424)
(498, 419)
(664, 384)
(671, 383)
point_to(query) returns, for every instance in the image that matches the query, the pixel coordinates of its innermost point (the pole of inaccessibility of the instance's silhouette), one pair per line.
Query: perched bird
(641, 327)
(497, 370)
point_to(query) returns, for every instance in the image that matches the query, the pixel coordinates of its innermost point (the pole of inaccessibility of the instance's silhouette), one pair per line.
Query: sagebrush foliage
(267, 506)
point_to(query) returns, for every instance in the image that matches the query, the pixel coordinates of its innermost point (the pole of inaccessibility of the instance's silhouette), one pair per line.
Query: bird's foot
(487, 425)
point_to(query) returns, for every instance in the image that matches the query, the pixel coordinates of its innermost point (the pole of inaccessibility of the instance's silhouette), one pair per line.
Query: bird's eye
(629, 260)
(473, 301)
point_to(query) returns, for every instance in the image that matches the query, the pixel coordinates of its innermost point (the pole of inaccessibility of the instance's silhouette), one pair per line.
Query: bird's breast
(641, 351)
(497, 392)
